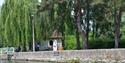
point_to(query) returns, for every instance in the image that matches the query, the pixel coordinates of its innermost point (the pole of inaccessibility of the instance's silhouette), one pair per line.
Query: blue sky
(1, 1)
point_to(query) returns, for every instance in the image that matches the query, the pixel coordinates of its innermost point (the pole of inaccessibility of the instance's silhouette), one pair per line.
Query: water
(5, 61)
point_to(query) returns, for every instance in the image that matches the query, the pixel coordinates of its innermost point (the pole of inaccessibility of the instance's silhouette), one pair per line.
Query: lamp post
(32, 18)
(33, 36)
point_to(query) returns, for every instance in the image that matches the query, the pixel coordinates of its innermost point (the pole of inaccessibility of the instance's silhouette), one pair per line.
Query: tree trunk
(63, 34)
(87, 20)
(96, 30)
(77, 26)
(117, 21)
(63, 40)
(77, 38)
(78, 23)
(93, 31)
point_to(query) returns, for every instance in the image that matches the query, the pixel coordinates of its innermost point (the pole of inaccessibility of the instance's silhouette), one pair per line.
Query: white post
(55, 45)
(33, 33)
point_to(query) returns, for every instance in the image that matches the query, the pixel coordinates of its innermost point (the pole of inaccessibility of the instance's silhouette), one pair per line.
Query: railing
(9, 51)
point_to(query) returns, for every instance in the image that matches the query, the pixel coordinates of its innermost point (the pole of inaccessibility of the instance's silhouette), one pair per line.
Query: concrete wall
(112, 54)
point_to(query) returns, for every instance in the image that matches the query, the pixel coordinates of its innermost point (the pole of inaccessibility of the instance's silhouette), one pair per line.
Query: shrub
(70, 43)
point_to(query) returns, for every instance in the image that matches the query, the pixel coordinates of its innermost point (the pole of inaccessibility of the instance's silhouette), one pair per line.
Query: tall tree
(118, 9)
(15, 21)
(77, 19)
(78, 15)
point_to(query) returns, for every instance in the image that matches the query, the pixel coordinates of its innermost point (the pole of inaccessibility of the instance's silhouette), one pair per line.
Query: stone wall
(107, 54)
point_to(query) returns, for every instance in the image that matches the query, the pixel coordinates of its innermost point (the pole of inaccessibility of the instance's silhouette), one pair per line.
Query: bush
(100, 44)
(108, 43)
(70, 42)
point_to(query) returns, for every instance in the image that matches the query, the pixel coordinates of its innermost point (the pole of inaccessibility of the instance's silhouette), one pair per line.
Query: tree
(78, 15)
(15, 22)
(118, 9)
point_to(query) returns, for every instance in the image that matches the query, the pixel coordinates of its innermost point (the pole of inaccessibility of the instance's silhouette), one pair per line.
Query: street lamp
(33, 39)
(33, 36)
(32, 24)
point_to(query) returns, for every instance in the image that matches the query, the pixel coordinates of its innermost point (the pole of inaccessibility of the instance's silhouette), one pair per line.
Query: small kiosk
(56, 39)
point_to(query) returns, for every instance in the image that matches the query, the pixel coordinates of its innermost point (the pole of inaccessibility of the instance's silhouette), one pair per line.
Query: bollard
(9, 56)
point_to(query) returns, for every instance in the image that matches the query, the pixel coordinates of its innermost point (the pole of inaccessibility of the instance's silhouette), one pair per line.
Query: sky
(39, 0)
(1, 2)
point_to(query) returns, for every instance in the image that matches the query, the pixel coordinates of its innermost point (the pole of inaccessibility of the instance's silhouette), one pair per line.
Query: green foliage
(16, 26)
(99, 43)
(15, 23)
(70, 42)
(103, 44)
